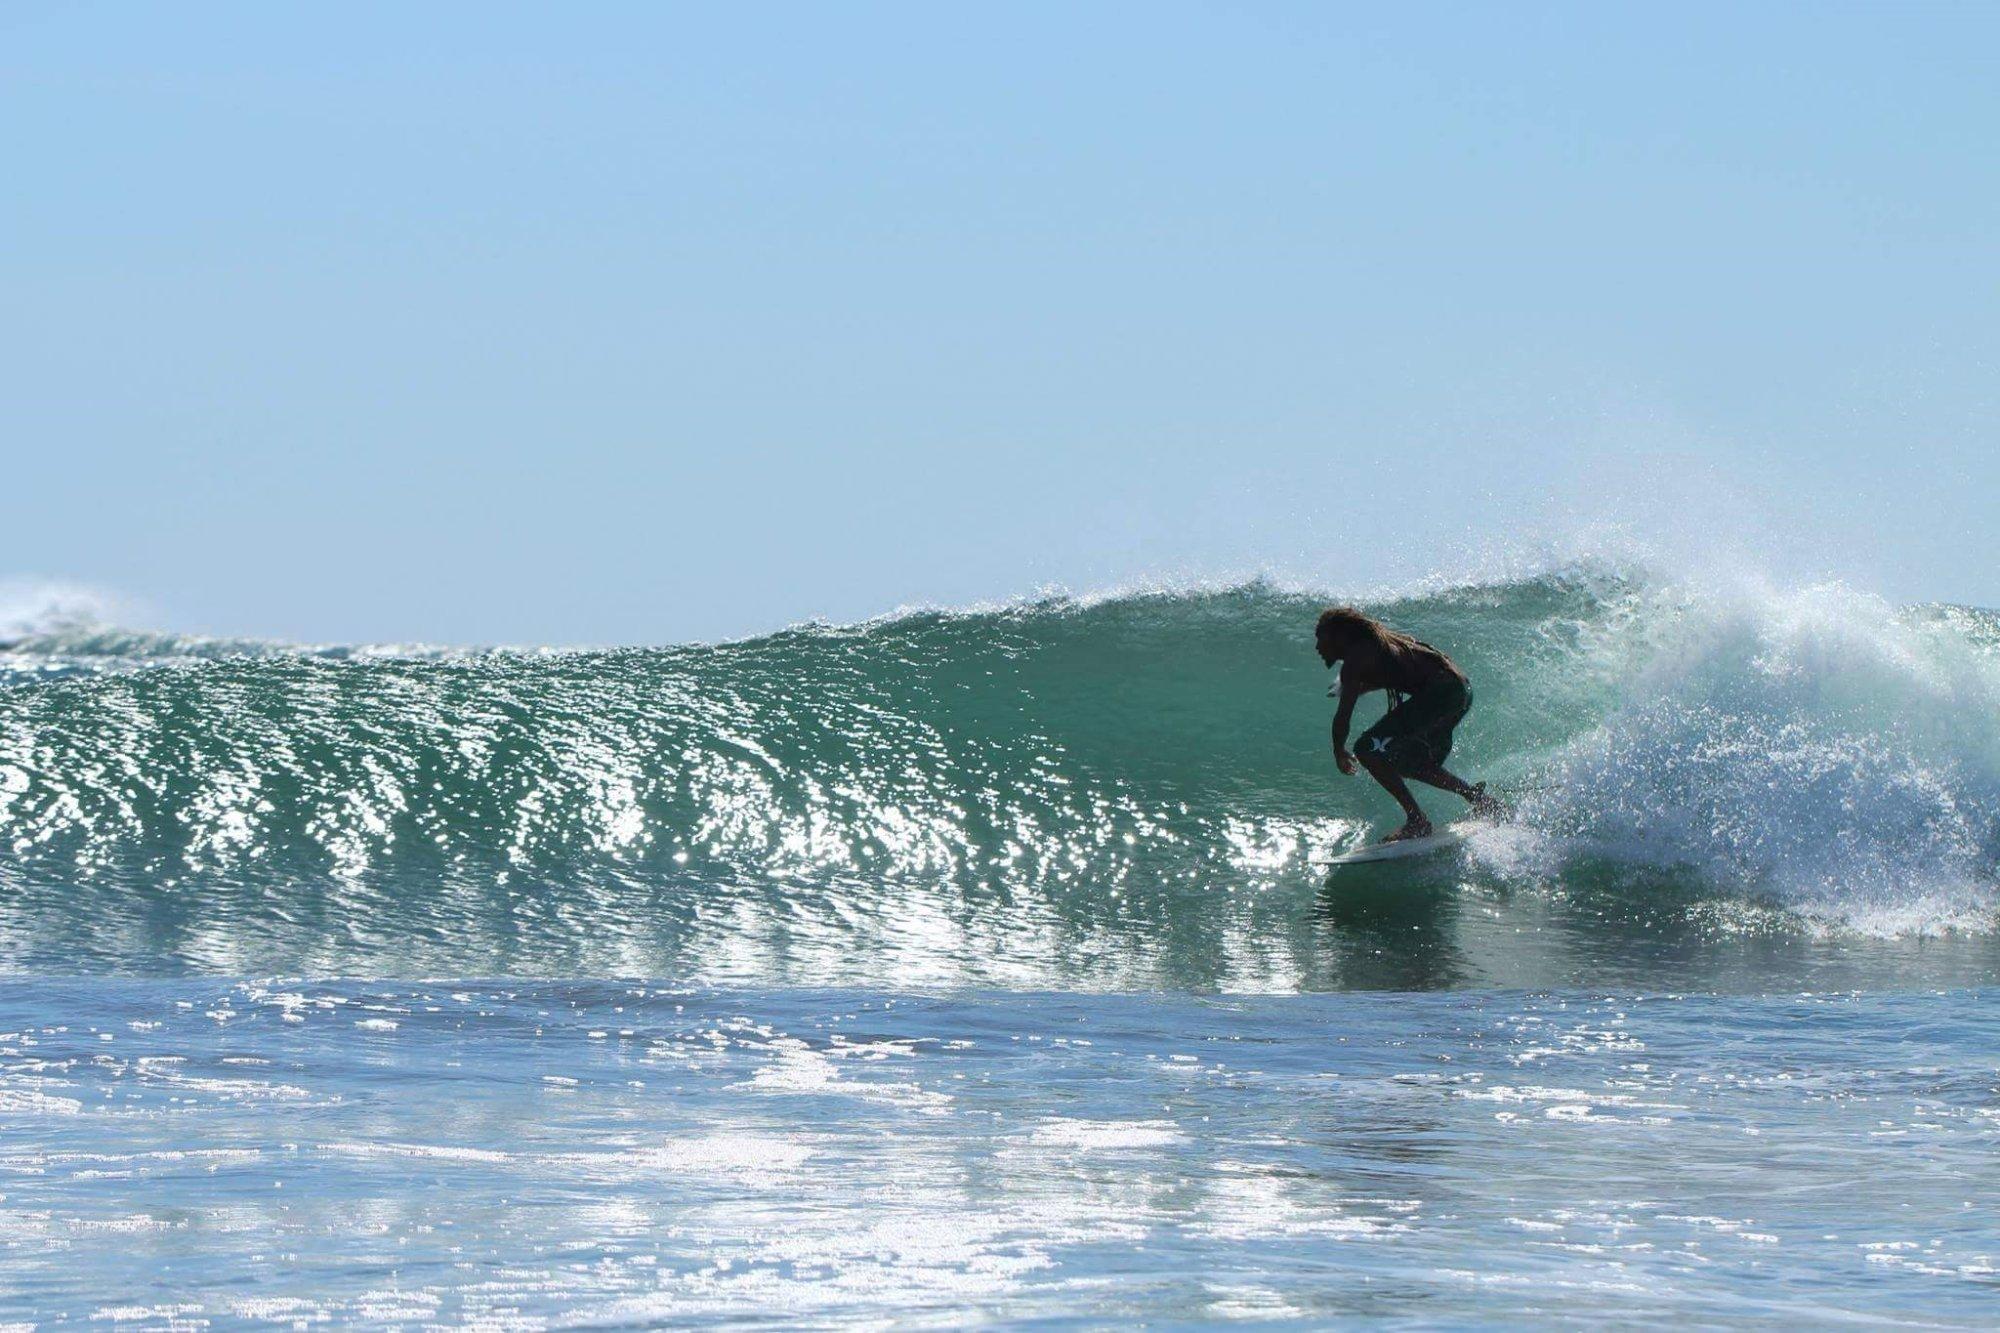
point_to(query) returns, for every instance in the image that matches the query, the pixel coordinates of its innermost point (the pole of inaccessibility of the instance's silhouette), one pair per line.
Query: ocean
(973, 965)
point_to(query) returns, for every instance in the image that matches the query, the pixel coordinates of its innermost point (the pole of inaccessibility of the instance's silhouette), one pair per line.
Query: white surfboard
(1446, 838)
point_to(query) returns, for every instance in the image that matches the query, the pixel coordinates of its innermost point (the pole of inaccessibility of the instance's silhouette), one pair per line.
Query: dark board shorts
(1416, 733)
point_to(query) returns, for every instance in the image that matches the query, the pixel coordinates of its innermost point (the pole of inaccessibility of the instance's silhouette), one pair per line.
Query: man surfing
(1413, 738)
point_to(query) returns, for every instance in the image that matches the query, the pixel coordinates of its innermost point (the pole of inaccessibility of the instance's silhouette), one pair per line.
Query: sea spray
(1818, 746)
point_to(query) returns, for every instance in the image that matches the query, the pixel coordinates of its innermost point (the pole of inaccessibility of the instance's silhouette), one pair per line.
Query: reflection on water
(608, 1153)
(1431, 923)
(1418, 926)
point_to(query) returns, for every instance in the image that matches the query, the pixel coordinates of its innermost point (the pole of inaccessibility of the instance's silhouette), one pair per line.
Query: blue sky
(593, 323)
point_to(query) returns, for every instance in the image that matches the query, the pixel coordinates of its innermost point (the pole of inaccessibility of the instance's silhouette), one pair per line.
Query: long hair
(1344, 625)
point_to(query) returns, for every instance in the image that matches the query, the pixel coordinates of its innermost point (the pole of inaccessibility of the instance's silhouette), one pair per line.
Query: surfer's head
(1338, 630)
(1342, 631)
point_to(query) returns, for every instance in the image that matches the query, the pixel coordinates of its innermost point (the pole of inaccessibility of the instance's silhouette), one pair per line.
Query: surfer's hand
(1345, 762)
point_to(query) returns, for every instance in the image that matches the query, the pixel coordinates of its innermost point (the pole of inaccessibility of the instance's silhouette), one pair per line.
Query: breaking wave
(1049, 780)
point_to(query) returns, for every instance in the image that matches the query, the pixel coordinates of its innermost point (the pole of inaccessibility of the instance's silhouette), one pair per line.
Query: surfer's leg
(1437, 775)
(1417, 825)
(1425, 747)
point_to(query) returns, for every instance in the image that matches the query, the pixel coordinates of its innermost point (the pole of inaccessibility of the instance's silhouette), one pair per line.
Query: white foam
(1813, 744)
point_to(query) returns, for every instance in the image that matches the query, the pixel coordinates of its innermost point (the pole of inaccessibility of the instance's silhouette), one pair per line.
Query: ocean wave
(1046, 770)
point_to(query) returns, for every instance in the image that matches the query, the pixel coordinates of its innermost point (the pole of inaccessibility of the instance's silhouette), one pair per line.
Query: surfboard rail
(1446, 838)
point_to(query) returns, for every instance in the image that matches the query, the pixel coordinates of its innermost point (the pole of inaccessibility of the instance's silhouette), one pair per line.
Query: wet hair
(1344, 625)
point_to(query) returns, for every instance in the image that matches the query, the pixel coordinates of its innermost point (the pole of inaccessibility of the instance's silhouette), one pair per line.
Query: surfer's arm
(1343, 718)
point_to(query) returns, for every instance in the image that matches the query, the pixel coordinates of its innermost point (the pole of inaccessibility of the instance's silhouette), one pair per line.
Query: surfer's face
(1328, 653)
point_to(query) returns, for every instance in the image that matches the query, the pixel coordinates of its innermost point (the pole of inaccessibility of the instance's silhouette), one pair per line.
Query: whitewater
(973, 964)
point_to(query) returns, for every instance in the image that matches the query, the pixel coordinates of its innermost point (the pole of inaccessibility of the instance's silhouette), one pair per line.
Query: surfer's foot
(1484, 806)
(1417, 827)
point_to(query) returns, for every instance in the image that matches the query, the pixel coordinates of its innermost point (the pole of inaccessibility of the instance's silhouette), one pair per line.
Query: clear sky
(644, 322)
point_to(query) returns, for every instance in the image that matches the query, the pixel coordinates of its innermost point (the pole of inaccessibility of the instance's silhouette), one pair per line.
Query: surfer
(1413, 738)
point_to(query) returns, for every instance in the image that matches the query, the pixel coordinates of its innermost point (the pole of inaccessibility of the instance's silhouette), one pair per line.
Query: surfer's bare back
(1413, 739)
